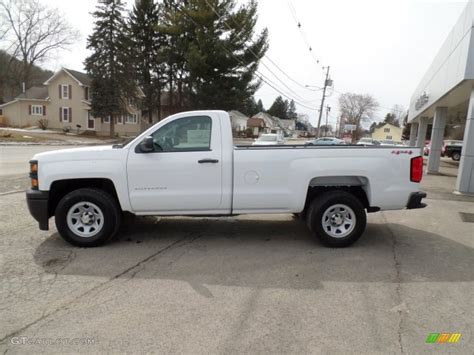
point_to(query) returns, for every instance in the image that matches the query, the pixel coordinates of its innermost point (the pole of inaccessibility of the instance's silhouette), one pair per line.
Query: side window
(184, 134)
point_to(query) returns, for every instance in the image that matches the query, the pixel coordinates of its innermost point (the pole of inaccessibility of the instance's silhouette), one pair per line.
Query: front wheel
(87, 217)
(337, 218)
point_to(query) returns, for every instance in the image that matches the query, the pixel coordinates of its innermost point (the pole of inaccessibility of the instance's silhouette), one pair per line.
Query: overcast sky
(380, 47)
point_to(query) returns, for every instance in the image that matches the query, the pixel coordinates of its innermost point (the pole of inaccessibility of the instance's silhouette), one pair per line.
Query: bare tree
(399, 112)
(34, 32)
(356, 109)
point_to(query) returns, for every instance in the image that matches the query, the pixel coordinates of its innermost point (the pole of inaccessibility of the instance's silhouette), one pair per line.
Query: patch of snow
(31, 129)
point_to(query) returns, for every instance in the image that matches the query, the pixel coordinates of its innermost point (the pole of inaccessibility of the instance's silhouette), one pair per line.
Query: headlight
(34, 174)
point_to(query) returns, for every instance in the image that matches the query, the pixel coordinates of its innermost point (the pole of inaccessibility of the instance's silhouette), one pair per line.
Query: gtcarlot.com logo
(24, 340)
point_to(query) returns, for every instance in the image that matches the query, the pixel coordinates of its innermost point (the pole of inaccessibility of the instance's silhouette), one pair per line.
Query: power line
(259, 74)
(289, 77)
(302, 33)
(257, 58)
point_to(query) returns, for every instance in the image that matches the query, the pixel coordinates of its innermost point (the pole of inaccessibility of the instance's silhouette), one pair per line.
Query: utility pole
(328, 109)
(326, 82)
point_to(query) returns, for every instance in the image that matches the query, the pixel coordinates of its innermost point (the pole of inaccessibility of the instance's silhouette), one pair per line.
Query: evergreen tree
(391, 119)
(146, 44)
(279, 108)
(292, 111)
(109, 64)
(221, 52)
(406, 128)
(260, 107)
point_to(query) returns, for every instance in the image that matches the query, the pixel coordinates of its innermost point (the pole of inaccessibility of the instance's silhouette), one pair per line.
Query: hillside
(10, 82)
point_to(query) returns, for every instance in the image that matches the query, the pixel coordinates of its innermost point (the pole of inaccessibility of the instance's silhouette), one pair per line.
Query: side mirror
(146, 145)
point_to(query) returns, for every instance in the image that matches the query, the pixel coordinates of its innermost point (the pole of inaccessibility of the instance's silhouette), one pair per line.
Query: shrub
(43, 123)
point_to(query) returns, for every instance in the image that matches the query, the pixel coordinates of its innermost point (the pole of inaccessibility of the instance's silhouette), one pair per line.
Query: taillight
(416, 169)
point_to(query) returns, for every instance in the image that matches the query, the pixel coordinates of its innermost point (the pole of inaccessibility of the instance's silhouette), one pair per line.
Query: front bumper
(37, 202)
(415, 200)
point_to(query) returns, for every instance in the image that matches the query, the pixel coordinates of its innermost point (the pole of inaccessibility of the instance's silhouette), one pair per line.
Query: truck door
(183, 172)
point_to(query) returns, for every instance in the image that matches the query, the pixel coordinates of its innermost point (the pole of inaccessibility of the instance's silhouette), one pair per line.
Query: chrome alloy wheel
(85, 219)
(339, 221)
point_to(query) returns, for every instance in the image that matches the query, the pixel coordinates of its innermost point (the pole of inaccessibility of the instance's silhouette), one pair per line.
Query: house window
(65, 91)
(131, 101)
(66, 113)
(131, 118)
(386, 130)
(107, 119)
(86, 93)
(90, 121)
(1, 111)
(389, 137)
(37, 110)
(120, 119)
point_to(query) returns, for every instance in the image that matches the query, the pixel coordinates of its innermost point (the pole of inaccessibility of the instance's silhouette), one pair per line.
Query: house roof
(83, 78)
(268, 119)
(237, 114)
(38, 93)
(35, 93)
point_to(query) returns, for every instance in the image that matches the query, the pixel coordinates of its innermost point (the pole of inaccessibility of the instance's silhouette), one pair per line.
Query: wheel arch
(61, 188)
(359, 186)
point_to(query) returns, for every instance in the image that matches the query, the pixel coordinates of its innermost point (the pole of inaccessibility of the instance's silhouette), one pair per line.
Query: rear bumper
(37, 202)
(415, 200)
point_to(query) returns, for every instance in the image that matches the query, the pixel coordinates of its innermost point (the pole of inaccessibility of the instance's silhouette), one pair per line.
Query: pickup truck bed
(187, 165)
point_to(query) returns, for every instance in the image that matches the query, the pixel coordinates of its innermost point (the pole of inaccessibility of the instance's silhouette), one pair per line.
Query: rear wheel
(337, 218)
(456, 156)
(87, 217)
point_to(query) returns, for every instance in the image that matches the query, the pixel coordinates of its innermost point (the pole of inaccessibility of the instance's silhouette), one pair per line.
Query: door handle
(211, 161)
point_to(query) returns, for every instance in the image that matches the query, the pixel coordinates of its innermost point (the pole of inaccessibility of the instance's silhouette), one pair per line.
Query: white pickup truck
(187, 164)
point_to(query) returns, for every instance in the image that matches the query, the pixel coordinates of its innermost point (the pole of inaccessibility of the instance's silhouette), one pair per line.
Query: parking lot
(256, 283)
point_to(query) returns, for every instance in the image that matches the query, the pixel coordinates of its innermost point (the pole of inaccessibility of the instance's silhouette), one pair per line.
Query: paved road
(255, 283)
(14, 158)
(14, 164)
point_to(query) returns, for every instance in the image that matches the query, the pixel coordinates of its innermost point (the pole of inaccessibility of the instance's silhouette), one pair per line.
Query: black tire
(108, 207)
(323, 203)
(456, 156)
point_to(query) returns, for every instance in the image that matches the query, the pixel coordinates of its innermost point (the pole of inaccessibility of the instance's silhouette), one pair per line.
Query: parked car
(450, 142)
(426, 148)
(453, 151)
(187, 164)
(325, 141)
(368, 141)
(269, 139)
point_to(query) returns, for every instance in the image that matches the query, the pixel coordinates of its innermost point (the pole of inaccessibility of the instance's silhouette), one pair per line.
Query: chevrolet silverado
(187, 164)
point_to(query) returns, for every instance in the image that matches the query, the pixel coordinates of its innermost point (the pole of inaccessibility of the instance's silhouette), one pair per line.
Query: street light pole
(326, 82)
